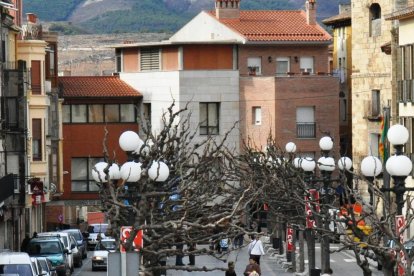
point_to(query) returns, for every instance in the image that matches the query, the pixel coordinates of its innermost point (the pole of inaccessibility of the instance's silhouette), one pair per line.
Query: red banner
(312, 203)
(400, 224)
(289, 240)
(125, 234)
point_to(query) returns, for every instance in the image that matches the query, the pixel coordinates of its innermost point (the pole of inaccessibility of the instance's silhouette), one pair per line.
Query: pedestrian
(224, 244)
(34, 235)
(191, 256)
(327, 272)
(251, 268)
(256, 249)
(25, 243)
(230, 270)
(179, 255)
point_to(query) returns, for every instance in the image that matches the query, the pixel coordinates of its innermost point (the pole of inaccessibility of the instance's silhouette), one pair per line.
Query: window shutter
(36, 77)
(150, 59)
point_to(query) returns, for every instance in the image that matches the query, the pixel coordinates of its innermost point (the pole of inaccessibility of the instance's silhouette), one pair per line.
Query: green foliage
(65, 28)
(55, 10)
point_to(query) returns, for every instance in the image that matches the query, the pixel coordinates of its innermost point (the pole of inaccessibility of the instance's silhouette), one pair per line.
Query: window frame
(208, 129)
(254, 62)
(150, 59)
(257, 115)
(67, 114)
(283, 59)
(302, 62)
(305, 129)
(90, 161)
(37, 139)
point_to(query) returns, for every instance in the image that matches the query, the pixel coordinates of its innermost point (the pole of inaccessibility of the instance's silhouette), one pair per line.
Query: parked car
(77, 254)
(52, 248)
(16, 263)
(100, 255)
(37, 267)
(96, 232)
(80, 240)
(47, 266)
(69, 245)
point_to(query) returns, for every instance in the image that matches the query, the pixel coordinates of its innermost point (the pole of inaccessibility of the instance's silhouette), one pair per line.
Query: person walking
(25, 243)
(224, 245)
(230, 270)
(191, 256)
(252, 268)
(256, 249)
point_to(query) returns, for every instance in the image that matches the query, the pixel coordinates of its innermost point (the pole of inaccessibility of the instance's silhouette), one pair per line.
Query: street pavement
(342, 263)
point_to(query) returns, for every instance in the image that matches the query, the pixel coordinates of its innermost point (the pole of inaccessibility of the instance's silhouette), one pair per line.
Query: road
(342, 263)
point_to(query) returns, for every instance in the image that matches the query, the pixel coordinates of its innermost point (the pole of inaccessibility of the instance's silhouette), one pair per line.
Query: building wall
(208, 57)
(406, 31)
(257, 92)
(371, 70)
(161, 88)
(294, 92)
(320, 54)
(86, 140)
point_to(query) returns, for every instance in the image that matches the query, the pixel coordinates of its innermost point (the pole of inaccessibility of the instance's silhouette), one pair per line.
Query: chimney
(227, 9)
(31, 18)
(311, 12)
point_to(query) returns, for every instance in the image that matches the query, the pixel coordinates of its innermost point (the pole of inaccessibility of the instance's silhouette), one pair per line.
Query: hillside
(119, 16)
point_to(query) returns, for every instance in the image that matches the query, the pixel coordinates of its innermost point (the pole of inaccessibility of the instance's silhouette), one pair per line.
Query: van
(16, 263)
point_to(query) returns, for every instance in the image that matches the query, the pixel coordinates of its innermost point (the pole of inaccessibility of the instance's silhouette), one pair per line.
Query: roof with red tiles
(276, 25)
(401, 14)
(100, 86)
(345, 16)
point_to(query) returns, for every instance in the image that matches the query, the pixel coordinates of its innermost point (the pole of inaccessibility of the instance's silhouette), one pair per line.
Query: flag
(382, 147)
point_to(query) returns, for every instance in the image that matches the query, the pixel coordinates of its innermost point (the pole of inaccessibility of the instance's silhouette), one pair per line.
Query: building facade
(242, 68)
(95, 111)
(342, 65)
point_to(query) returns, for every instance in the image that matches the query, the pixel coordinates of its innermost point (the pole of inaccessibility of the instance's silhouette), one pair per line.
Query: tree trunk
(310, 240)
(301, 252)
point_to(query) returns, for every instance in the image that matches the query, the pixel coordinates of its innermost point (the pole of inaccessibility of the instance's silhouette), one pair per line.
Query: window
(36, 77)
(81, 173)
(150, 59)
(111, 113)
(343, 109)
(146, 112)
(209, 118)
(66, 113)
(37, 139)
(375, 19)
(305, 122)
(254, 65)
(257, 115)
(50, 61)
(375, 103)
(282, 66)
(99, 113)
(306, 64)
(79, 113)
(95, 113)
(127, 113)
(118, 60)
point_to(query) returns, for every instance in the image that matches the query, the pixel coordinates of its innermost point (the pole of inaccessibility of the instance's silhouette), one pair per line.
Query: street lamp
(326, 165)
(132, 171)
(398, 166)
(371, 167)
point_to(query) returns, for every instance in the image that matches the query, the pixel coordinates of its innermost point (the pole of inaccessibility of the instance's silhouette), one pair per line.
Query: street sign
(125, 234)
(60, 218)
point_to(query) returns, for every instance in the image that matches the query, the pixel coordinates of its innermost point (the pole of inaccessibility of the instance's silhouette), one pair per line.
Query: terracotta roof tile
(338, 18)
(102, 86)
(276, 25)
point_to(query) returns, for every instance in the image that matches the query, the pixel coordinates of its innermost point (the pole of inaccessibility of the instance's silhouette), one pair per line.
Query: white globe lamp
(98, 173)
(398, 135)
(131, 171)
(344, 163)
(371, 166)
(326, 143)
(129, 141)
(290, 147)
(158, 171)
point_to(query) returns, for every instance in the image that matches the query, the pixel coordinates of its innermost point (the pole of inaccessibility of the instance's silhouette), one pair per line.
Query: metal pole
(301, 252)
(310, 240)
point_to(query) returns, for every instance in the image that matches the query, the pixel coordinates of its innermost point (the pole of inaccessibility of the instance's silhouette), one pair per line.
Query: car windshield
(43, 263)
(76, 234)
(106, 245)
(16, 269)
(99, 228)
(48, 247)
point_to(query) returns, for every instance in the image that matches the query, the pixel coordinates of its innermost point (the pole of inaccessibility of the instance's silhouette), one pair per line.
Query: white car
(16, 263)
(96, 232)
(100, 255)
(67, 244)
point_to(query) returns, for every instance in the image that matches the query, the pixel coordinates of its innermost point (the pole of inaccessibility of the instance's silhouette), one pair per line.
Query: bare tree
(201, 202)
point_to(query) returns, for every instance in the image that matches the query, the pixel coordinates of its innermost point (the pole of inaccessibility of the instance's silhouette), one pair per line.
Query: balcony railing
(406, 91)
(306, 130)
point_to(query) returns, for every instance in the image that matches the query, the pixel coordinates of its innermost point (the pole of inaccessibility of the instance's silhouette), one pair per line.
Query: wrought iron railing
(306, 130)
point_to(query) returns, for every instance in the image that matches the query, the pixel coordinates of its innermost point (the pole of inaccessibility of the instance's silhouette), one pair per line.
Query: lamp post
(326, 166)
(398, 166)
(131, 172)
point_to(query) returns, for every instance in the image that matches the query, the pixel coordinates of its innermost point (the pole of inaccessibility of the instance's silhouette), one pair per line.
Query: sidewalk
(239, 257)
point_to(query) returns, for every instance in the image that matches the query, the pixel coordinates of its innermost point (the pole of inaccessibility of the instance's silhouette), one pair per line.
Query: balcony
(306, 130)
(406, 91)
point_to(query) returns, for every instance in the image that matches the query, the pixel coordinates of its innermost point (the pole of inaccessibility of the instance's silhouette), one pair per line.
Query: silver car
(46, 266)
(100, 255)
